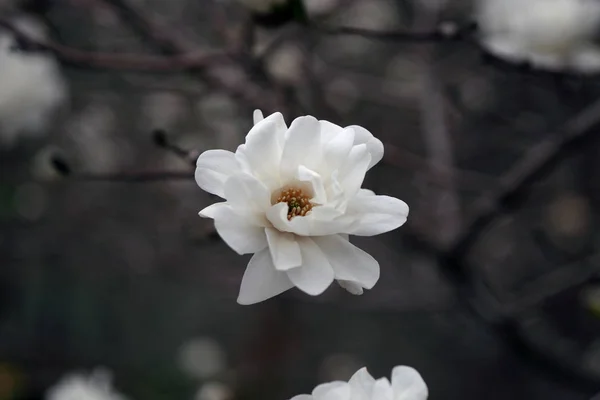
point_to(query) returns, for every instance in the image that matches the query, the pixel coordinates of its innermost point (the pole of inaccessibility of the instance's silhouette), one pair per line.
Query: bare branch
(121, 62)
(439, 147)
(447, 31)
(127, 177)
(542, 158)
(166, 41)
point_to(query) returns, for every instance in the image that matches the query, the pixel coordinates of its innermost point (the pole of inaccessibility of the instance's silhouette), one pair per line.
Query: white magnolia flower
(31, 86)
(554, 34)
(262, 6)
(407, 384)
(96, 386)
(293, 195)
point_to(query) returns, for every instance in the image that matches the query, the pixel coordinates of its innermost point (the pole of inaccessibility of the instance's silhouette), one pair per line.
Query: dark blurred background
(105, 263)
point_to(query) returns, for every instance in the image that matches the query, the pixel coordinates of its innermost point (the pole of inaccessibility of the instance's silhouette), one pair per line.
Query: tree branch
(542, 158)
(134, 62)
(167, 42)
(446, 31)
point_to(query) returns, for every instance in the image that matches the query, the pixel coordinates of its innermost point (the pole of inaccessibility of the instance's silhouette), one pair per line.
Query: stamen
(298, 203)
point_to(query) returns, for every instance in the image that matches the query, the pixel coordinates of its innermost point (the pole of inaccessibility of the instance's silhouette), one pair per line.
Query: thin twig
(166, 41)
(453, 32)
(448, 31)
(467, 180)
(131, 177)
(440, 152)
(163, 39)
(542, 158)
(121, 62)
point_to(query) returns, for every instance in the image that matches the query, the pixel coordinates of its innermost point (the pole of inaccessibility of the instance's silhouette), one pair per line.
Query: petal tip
(257, 116)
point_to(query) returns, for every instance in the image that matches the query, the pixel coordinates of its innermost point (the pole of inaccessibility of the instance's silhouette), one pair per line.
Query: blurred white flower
(202, 358)
(262, 6)
(214, 391)
(320, 7)
(293, 195)
(554, 34)
(407, 384)
(96, 386)
(31, 86)
(286, 64)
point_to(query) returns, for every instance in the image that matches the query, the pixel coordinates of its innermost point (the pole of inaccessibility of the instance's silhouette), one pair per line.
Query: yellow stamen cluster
(298, 203)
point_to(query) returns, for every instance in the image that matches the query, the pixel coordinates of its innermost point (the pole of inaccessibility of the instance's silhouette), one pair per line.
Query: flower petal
(261, 280)
(212, 210)
(351, 287)
(236, 230)
(315, 274)
(382, 390)
(261, 154)
(245, 193)
(336, 149)
(303, 397)
(362, 382)
(408, 384)
(306, 175)
(257, 116)
(302, 146)
(285, 252)
(376, 214)
(353, 170)
(335, 390)
(277, 216)
(374, 145)
(349, 263)
(213, 168)
(320, 221)
(329, 130)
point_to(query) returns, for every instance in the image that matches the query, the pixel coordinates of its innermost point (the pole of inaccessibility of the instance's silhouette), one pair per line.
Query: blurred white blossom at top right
(551, 34)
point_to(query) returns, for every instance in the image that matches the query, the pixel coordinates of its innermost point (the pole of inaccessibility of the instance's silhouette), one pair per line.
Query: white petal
(303, 397)
(213, 168)
(212, 210)
(277, 215)
(351, 287)
(362, 382)
(302, 146)
(306, 175)
(237, 231)
(374, 145)
(257, 116)
(320, 221)
(335, 390)
(349, 263)
(315, 274)
(382, 390)
(261, 280)
(408, 384)
(285, 252)
(377, 214)
(245, 193)
(336, 149)
(352, 172)
(262, 153)
(329, 130)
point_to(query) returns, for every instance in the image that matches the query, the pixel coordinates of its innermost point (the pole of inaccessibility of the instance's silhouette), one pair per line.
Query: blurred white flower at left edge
(406, 384)
(552, 34)
(32, 87)
(77, 386)
(293, 196)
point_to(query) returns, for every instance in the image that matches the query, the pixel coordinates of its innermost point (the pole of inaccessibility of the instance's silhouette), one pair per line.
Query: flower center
(298, 202)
